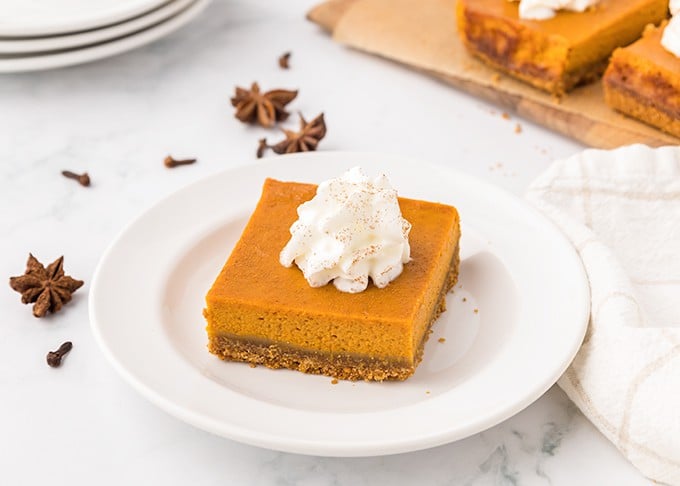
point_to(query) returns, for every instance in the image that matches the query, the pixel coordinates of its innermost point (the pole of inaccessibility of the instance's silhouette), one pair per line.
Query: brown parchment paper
(422, 34)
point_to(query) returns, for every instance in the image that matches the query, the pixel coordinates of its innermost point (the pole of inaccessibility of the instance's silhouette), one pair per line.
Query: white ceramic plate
(24, 18)
(517, 270)
(40, 45)
(11, 64)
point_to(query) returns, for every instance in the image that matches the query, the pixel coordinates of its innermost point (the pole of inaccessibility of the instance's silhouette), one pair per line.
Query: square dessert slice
(643, 81)
(559, 53)
(261, 312)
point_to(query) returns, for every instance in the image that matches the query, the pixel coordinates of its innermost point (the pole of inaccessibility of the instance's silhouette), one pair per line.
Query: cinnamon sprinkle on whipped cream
(350, 232)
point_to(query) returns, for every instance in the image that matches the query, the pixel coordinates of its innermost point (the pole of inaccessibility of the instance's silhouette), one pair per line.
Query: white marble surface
(117, 119)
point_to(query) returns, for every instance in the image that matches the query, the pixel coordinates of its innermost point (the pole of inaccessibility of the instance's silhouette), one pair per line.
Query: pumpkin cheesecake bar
(553, 54)
(260, 312)
(643, 81)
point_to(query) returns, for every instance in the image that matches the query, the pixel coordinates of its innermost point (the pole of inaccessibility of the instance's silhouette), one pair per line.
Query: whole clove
(83, 179)
(262, 146)
(54, 357)
(283, 60)
(171, 163)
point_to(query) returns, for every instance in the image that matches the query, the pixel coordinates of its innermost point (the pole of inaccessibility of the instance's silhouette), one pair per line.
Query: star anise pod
(47, 287)
(264, 108)
(303, 141)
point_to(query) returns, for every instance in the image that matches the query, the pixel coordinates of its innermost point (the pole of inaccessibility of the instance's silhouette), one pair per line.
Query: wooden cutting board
(422, 34)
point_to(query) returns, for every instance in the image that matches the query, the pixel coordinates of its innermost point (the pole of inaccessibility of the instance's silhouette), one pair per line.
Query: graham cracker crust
(277, 355)
(653, 108)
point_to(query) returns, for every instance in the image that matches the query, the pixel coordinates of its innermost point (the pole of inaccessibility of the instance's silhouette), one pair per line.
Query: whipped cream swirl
(546, 9)
(352, 230)
(670, 39)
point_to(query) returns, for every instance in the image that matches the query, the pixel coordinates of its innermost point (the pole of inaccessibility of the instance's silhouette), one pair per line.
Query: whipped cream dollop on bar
(671, 34)
(546, 9)
(352, 230)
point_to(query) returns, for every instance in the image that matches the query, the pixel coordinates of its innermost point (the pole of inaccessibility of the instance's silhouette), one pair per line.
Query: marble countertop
(117, 119)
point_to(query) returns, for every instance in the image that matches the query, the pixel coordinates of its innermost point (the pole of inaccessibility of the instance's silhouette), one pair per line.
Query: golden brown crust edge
(645, 95)
(275, 355)
(646, 110)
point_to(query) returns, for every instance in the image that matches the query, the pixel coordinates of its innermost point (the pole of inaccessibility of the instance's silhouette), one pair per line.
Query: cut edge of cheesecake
(547, 61)
(642, 89)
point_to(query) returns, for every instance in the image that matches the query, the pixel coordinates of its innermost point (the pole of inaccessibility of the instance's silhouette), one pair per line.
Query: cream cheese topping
(545, 9)
(352, 230)
(670, 38)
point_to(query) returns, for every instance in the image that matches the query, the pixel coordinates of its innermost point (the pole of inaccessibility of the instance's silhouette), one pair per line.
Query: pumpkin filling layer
(643, 81)
(559, 53)
(261, 312)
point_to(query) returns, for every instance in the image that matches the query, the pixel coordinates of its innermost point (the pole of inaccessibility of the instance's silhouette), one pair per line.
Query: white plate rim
(106, 49)
(77, 23)
(366, 448)
(43, 45)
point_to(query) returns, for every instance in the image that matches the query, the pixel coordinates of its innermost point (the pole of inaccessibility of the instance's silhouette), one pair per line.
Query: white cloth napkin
(621, 209)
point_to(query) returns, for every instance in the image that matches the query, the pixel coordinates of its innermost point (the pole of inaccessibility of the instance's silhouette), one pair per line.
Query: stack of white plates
(45, 34)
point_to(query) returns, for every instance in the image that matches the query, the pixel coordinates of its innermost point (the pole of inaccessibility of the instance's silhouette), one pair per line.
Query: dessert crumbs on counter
(441, 340)
(427, 392)
(496, 166)
(334, 381)
(518, 128)
(505, 115)
(464, 299)
(252, 365)
(476, 311)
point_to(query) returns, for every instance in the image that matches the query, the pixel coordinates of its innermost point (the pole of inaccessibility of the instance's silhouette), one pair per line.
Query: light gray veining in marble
(117, 119)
